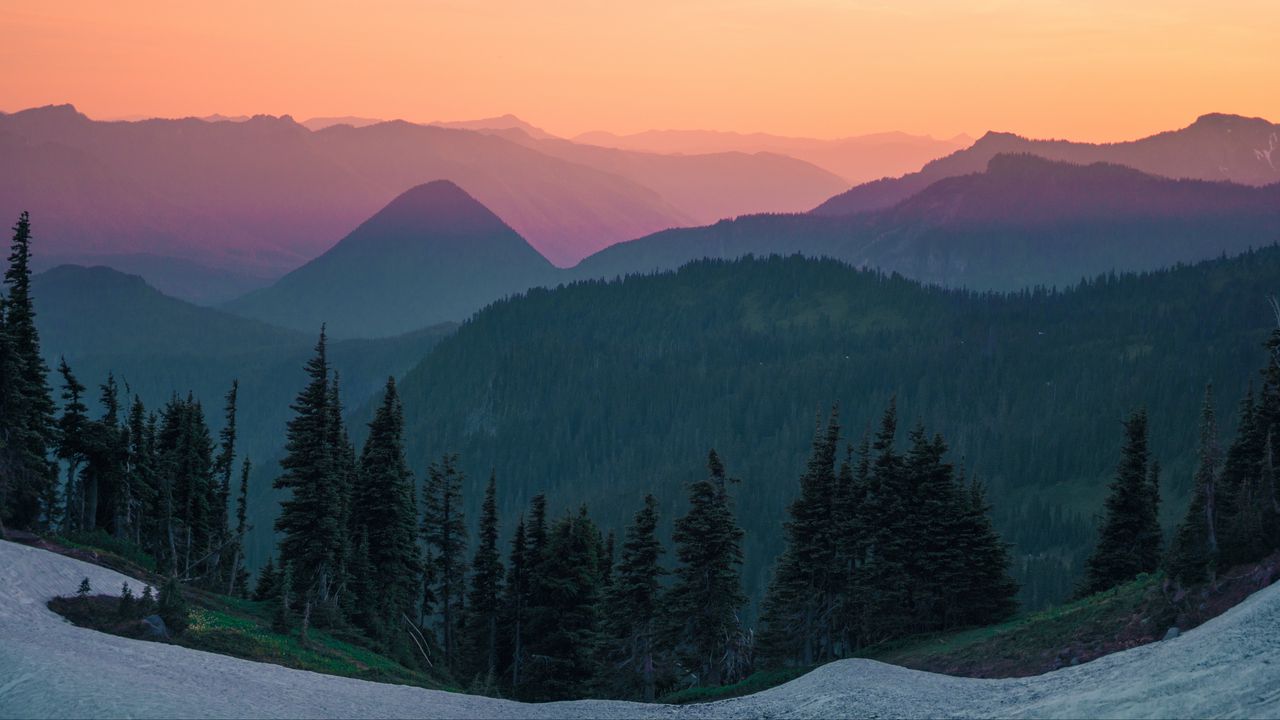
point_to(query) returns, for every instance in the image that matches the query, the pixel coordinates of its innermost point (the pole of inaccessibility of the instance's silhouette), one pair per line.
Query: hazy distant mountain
(267, 194)
(320, 123)
(709, 186)
(219, 117)
(1024, 221)
(1214, 147)
(182, 279)
(502, 122)
(855, 159)
(434, 254)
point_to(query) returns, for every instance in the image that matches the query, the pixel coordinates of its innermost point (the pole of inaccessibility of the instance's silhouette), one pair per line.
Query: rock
(153, 627)
(1172, 632)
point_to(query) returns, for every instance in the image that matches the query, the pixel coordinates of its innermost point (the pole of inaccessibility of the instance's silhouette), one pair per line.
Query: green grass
(242, 628)
(1030, 644)
(120, 553)
(248, 635)
(1131, 614)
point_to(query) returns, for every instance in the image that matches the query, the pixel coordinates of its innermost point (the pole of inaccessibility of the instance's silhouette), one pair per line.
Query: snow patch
(50, 668)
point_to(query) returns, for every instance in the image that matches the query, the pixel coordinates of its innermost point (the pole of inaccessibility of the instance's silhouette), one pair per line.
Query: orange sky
(1083, 69)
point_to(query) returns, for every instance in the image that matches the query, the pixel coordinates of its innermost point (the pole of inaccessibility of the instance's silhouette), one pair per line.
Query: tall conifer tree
(484, 600)
(445, 534)
(704, 602)
(1125, 548)
(384, 515)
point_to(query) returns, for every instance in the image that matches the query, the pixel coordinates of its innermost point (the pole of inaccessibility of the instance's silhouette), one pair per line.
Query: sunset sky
(1082, 69)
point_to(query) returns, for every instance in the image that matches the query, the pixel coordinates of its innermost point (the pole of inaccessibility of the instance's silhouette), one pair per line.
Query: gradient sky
(1083, 69)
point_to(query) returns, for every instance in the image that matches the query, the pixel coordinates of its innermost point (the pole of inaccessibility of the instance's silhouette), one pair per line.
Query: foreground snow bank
(1229, 667)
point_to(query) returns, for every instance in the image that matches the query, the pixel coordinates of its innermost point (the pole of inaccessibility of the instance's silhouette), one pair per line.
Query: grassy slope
(230, 626)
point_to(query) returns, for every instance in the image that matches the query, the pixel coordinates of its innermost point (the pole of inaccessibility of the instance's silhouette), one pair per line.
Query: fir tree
(563, 632)
(515, 604)
(1194, 549)
(71, 445)
(800, 605)
(268, 586)
(1124, 548)
(282, 620)
(444, 532)
(704, 602)
(127, 606)
(384, 516)
(223, 469)
(30, 476)
(238, 577)
(484, 600)
(633, 602)
(171, 606)
(310, 518)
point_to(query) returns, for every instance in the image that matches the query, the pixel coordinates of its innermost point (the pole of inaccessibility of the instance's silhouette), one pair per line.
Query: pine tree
(282, 620)
(142, 499)
(30, 484)
(310, 518)
(223, 468)
(563, 631)
(384, 515)
(268, 586)
(800, 605)
(345, 468)
(886, 611)
(1124, 548)
(238, 576)
(704, 602)
(515, 604)
(984, 592)
(633, 603)
(1194, 549)
(444, 532)
(171, 606)
(71, 445)
(484, 600)
(127, 606)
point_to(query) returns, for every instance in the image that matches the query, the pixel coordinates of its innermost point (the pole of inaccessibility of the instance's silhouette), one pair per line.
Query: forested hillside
(601, 392)
(104, 322)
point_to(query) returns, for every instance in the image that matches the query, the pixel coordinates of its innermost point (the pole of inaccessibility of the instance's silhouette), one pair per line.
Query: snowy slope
(1229, 667)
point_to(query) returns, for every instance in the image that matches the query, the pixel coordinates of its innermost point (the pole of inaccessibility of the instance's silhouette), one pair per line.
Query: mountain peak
(439, 206)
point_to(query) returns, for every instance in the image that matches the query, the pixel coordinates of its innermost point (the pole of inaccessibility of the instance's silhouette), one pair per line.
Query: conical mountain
(434, 254)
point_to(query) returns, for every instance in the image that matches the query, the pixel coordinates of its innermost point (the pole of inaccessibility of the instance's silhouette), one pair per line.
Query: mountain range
(436, 254)
(856, 159)
(1215, 147)
(1021, 222)
(262, 196)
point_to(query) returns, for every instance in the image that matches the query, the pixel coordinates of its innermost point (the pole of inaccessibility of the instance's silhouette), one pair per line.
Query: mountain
(104, 321)
(1023, 221)
(1215, 147)
(182, 279)
(856, 159)
(502, 122)
(267, 194)
(708, 186)
(320, 123)
(599, 392)
(434, 254)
